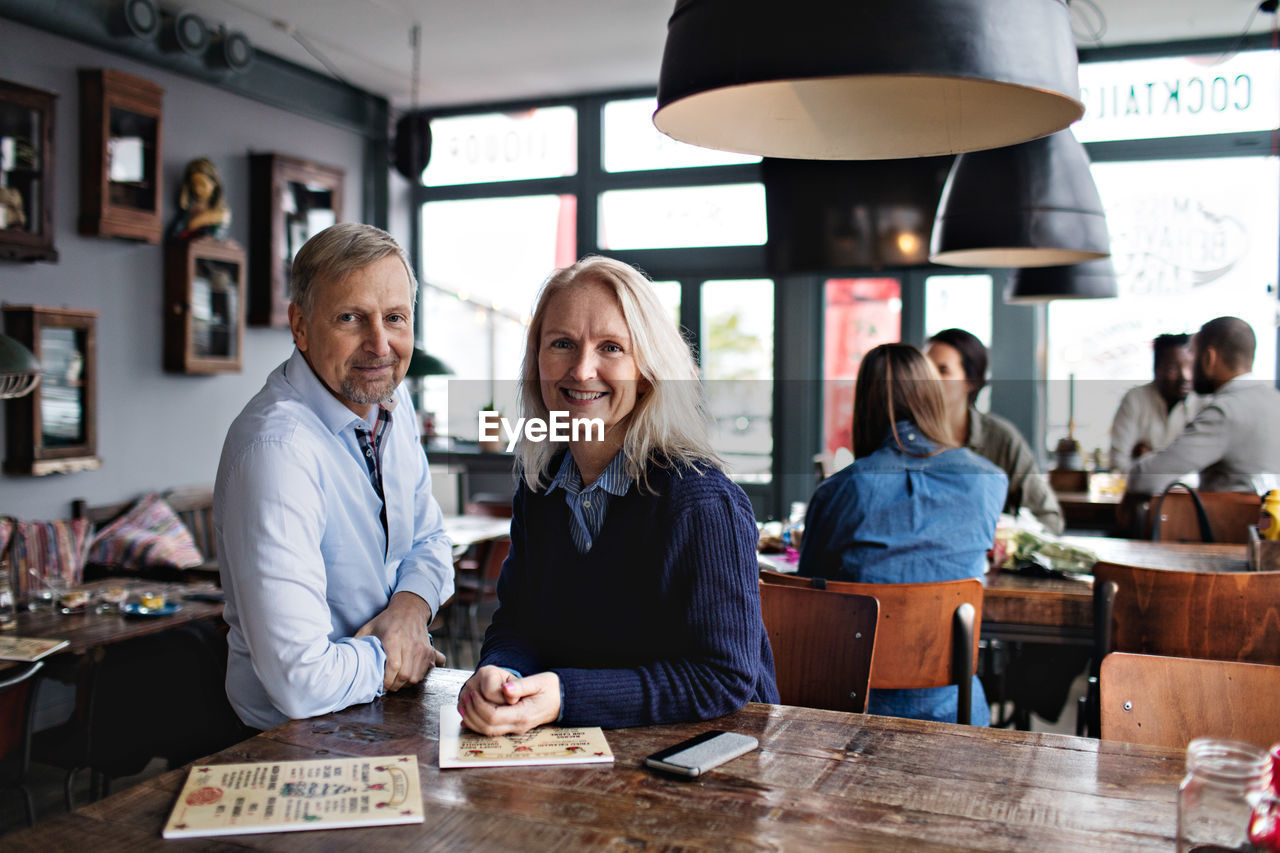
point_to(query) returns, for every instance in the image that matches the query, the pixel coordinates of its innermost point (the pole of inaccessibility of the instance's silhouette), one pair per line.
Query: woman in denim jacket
(914, 506)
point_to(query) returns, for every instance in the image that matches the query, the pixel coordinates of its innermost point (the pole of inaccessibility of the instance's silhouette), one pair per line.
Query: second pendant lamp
(1033, 285)
(1027, 205)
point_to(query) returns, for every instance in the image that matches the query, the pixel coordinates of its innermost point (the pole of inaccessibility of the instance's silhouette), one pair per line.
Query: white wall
(156, 430)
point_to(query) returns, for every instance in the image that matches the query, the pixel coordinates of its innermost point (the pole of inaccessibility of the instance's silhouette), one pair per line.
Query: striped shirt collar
(613, 479)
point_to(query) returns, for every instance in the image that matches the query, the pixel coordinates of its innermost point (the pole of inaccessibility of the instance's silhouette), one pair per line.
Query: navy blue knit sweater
(658, 623)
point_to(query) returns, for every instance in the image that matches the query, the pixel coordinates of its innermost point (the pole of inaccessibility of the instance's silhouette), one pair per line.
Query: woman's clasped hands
(496, 702)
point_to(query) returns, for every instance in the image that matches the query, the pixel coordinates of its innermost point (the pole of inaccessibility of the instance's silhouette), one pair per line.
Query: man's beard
(368, 393)
(1201, 383)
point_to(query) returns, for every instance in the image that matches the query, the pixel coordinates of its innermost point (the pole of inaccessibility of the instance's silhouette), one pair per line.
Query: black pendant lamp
(1028, 205)
(866, 79)
(1033, 285)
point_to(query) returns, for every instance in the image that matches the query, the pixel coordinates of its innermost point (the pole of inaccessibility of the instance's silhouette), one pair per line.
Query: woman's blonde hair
(897, 383)
(668, 424)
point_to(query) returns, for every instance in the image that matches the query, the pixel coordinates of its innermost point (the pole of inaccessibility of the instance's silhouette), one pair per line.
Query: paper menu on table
(28, 649)
(287, 796)
(543, 745)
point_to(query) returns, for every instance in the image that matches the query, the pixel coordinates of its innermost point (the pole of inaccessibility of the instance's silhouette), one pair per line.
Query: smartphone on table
(697, 755)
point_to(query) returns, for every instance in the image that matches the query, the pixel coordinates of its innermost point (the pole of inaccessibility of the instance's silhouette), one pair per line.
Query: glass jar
(1224, 781)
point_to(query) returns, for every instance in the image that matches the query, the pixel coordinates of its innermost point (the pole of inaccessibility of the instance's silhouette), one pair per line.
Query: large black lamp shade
(1028, 205)
(1032, 285)
(866, 79)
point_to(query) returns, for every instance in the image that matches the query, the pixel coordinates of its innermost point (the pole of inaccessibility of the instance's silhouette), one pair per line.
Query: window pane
(669, 295)
(532, 234)
(1179, 96)
(737, 368)
(958, 302)
(672, 218)
(1191, 240)
(632, 143)
(861, 313)
(475, 149)
(458, 334)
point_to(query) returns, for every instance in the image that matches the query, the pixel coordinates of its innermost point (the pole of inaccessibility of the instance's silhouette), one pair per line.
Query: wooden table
(1088, 510)
(1018, 608)
(90, 630)
(820, 780)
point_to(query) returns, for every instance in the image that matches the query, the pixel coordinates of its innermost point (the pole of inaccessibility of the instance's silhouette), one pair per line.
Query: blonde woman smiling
(630, 596)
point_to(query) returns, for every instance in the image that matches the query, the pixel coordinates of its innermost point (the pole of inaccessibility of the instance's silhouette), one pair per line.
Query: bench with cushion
(156, 549)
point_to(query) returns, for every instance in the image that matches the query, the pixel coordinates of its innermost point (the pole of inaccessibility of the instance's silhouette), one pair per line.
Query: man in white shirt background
(1233, 441)
(1151, 416)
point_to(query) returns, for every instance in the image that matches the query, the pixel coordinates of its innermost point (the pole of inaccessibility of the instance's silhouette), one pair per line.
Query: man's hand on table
(402, 628)
(495, 702)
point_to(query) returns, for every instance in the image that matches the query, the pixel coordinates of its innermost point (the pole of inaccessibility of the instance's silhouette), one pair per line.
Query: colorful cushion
(48, 549)
(150, 535)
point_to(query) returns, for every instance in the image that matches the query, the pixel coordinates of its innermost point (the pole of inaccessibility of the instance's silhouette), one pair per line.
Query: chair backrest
(823, 643)
(1230, 516)
(1168, 701)
(927, 635)
(194, 506)
(495, 555)
(17, 709)
(1216, 615)
(489, 504)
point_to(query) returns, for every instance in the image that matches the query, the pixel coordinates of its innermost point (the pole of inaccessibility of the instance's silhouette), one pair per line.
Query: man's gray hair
(335, 253)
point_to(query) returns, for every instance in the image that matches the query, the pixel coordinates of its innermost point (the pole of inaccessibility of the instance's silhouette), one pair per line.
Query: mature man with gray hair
(1234, 441)
(331, 546)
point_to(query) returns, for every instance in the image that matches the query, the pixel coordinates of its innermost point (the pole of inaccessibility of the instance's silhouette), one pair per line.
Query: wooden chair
(1214, 615)
(927, 635)
(17, 714)
(1229, 516)
(489, 504)
(1224, 616)
(1168, 701)
(472, 588)
(822, 645)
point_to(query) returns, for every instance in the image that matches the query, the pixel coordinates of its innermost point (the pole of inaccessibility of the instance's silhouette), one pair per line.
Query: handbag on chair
(1202, 516)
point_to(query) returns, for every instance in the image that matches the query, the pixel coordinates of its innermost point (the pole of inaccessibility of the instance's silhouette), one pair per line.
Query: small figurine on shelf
(202, 210)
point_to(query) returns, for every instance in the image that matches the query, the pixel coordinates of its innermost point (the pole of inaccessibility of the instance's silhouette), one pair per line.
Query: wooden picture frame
(53, 430)
(290, 199)
(204, 306)
(121, 174)
(26, 173)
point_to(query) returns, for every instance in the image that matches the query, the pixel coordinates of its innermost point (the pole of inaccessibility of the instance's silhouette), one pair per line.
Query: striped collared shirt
(371, 441)
(587, 506)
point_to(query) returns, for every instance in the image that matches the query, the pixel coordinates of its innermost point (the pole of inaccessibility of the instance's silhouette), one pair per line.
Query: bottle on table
(1269, 518)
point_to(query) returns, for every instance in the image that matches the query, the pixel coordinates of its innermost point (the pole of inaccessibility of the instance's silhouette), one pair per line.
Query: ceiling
(495, 50)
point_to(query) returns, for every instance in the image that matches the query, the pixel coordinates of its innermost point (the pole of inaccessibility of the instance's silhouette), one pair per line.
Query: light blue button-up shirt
(304, 559)
(588, 506)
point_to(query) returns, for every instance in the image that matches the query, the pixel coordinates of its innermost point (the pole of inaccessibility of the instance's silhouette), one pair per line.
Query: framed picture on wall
(26, 173)
(121, 131)
(53, 430)
(290, 200)
(204, 306)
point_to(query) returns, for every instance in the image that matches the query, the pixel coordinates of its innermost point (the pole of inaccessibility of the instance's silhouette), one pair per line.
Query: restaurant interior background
(782, 273)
